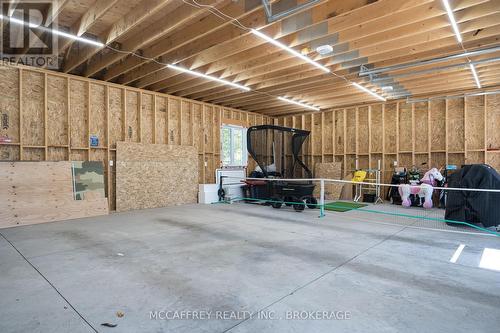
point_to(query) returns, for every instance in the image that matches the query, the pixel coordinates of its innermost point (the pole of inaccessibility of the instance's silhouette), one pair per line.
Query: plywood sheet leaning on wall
(38, 192)
(329, 171)
(151, 175)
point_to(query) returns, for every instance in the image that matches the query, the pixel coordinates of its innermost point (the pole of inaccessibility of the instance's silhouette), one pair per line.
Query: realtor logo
(26, 33)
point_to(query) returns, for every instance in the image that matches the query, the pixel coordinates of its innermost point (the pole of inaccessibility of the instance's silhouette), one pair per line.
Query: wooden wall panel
(440, 128)
(150, 176)
(26, 197)
(78, 113)
(405, 127)
(33, 109)
(455, 124)
(147, 118)
(132, 116)
(421, 125)
(98, 114)
(376, 132)
(391, 127)
(116, 117)
(363, 130)
(64, 104)
(57, 110)
(438, 125)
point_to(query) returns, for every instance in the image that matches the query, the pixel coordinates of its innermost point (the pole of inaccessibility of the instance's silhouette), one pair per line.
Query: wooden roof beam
(136, 15)
(88, 19)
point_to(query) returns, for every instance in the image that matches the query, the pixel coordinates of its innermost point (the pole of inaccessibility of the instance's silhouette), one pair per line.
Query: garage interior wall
(51, 116)
(437, 132)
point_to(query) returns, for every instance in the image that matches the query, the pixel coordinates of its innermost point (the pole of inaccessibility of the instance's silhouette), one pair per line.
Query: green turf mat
(341, 206)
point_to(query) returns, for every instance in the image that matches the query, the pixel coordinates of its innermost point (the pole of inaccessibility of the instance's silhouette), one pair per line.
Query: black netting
(278, 150)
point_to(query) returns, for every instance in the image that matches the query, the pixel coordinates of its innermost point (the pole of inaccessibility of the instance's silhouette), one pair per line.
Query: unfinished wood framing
(439, 132)
(51, 117)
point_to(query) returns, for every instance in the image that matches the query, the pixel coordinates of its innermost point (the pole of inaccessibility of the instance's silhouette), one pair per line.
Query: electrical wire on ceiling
(238, 24)
(458, 35)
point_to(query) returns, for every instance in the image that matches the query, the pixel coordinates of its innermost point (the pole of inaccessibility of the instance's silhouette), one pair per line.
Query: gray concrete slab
(242, 259)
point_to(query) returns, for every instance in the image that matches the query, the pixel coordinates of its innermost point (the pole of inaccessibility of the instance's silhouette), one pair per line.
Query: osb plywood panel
(132, 127)
(9, 153)
(363, 130)
(186, 124)
(405, 127)
(57, 110)
(198, 128)
(116, 130)
(474, 122)
(438, 124)
(78, 115)
(98, 116)
(421, 127)
(316, 134)
(149, 176)
(376, 128)
(455, 123)
(57, 154)
(174, 116)
(494, 160)
(26, 197)
(390, 116)
(328, 132)
(33, 154)
(209, 130)
(350, 130)
(79, 155)
(147, 118)
(456, 159)
(405, 160)
(9, 104)
(420, 159)
(161, 120)
(339, 132)
(438, 160)
(475, 157)
(493, 122)
(33, 97)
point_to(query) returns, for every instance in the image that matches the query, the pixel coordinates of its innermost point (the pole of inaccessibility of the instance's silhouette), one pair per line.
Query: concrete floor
(73, 276)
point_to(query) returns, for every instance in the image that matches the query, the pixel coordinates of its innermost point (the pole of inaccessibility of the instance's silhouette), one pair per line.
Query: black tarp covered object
(474, 206)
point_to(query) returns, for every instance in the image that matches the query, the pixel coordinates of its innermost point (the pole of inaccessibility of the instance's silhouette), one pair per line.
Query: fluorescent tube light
(292, 51)
(452, 20)
(310, 107)
(357, 85)
(53, 31)
(208, 77)
(476, 77)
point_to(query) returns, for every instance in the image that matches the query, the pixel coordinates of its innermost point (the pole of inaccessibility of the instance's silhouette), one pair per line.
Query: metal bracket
(274, 17)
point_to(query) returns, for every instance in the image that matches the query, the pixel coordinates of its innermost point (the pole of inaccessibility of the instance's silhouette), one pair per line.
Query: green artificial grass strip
(341, 206)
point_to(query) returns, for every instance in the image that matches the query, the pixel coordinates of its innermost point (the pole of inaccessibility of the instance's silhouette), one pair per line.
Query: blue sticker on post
(94, 141)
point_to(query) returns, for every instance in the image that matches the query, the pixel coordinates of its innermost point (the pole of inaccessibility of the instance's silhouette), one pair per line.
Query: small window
(234, 146)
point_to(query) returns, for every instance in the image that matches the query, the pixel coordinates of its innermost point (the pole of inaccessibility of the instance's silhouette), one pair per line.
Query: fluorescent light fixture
(490, 259)
(453, 22)
(307, 106)
(53, 31)
(357, 85)
(292, 51)
(208, 77)
(476, 77)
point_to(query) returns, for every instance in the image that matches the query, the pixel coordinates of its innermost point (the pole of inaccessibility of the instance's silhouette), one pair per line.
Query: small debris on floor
(120, 314)
(109, 325)
(120, 254)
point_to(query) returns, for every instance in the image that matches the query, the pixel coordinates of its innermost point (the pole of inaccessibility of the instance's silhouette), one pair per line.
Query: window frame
(244, 153)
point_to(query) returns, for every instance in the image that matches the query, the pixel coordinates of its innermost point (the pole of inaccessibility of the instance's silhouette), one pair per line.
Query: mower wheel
(276, 203)
(311, 202)
(298, 206)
